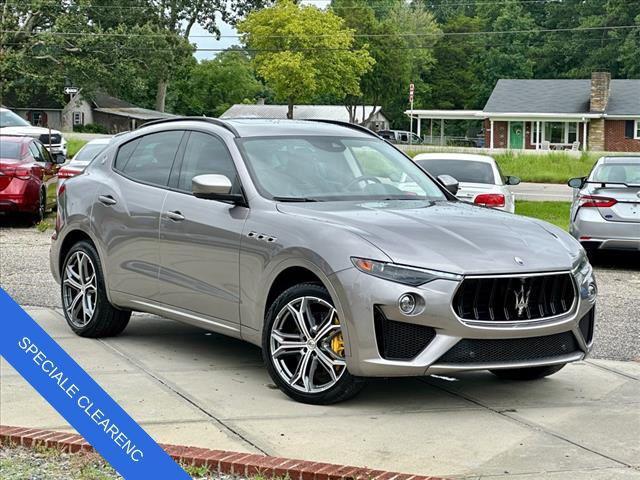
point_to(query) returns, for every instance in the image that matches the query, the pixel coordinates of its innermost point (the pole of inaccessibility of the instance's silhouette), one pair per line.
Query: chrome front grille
(513, 299)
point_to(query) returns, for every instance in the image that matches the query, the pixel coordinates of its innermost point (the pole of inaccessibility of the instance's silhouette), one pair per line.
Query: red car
(28, 176)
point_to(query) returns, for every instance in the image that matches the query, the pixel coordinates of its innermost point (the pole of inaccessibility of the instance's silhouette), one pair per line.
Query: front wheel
(38, 216)
(303, 347)
(530, 373)
(84, 298)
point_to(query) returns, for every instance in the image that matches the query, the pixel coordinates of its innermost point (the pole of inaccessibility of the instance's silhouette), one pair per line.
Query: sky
(226, 29)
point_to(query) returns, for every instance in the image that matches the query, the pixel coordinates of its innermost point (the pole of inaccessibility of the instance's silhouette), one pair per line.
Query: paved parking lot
(192, 387)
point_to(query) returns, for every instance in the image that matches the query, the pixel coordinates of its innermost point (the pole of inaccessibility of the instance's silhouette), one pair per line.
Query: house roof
(135, 112)
(102, 100)
(303, 112)
(561, 96)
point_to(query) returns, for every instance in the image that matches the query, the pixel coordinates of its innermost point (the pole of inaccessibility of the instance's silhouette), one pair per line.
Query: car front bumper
(360, 296)
(589, 227)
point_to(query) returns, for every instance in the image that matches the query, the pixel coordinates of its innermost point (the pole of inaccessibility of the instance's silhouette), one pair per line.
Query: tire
(89, 314)
(38, 216)
(531, 373)
(324, 379)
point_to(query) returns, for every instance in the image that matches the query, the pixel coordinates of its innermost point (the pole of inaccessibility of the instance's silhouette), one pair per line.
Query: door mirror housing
(512, 180)
(59, 158)
(215, 187)
(450, 183)
(576, 182)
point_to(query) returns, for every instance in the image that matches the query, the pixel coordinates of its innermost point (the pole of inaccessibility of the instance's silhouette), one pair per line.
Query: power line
(365, 35)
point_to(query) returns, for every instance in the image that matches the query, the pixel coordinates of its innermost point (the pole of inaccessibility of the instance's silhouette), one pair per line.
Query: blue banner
(79, 399)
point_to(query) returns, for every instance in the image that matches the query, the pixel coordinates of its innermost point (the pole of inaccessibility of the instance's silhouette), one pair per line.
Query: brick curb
(221, 461)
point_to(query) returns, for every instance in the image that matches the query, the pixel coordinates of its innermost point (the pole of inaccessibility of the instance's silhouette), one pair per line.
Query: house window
(36, 119)
(637, 130)
(77, 118)
(572, 132)
(554, 132)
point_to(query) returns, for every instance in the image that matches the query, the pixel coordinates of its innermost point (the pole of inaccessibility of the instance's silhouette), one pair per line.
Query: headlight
(400, 273)
(582, 269)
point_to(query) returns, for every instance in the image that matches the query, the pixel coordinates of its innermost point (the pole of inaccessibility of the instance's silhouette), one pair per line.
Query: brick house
(599, 114)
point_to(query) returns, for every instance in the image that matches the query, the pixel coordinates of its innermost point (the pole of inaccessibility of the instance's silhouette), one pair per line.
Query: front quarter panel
(273, 241)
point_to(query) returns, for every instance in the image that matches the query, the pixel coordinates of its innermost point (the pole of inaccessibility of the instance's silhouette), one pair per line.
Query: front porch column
(431, 132)
(442, 132)
(584, 136)
(419, 126)
(491, 137)
(538, 135)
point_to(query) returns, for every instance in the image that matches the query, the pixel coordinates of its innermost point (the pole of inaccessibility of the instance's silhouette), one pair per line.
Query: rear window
(467, 171)
(89, 151)
(617, 173)
(10, 150)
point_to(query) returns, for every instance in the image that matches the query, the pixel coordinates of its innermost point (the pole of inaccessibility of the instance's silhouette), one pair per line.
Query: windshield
(88, 152)
(467, 171)
(10, 119)
(334, 168)
(10, 150)
(617, 173)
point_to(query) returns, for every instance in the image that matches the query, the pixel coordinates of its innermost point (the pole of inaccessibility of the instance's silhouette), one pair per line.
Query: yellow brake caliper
(337, 342)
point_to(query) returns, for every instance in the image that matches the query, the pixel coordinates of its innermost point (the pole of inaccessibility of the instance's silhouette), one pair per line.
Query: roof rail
(214, 121)
(353, 126)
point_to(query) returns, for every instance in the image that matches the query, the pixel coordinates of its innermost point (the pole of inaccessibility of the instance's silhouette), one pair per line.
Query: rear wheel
(84, 300)
(303, 347)
(42, 207)
(530, 373)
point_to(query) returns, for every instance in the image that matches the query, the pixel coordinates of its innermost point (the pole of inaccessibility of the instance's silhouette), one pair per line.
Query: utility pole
(411, 90)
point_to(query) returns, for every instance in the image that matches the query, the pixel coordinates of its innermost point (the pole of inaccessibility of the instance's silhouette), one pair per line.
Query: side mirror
(511, 180)
(450, 183)
(59, 158)
(576, 182)
(214, 187)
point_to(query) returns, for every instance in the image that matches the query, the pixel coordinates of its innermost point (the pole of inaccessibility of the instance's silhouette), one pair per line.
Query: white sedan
(479, 177)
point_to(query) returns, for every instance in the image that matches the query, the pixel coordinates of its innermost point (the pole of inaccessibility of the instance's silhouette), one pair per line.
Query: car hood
(28, 131)
(449, 236)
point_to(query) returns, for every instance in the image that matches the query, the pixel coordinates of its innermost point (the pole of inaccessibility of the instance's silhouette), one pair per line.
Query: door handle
(107, 200)
(176, 216)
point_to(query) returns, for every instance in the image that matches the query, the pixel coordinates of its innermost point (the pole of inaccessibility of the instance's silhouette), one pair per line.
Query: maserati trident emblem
(522, 299)
(518, 260)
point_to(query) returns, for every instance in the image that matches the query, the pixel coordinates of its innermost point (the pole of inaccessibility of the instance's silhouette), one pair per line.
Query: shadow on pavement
(616, 259)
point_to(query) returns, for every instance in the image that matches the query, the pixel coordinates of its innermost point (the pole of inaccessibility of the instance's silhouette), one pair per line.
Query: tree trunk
(161, 95)
(290, 109)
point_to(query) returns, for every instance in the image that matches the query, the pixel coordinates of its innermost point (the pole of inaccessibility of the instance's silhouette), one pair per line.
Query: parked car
(82, 158)
(13, 124)
(279, 232)
(605, 213)
(400, 137)
(28, 177)
(479, 177)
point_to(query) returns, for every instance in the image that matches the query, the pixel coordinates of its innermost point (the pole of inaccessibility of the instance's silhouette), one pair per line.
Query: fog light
(407, 303)
(592, 290)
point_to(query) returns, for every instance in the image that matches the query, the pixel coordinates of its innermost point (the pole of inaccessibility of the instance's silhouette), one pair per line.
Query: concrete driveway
(192, 387)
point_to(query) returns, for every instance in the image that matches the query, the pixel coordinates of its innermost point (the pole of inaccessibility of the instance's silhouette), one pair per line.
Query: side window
(205, 154)
(149, 159)
(35, 153)
(45, 156)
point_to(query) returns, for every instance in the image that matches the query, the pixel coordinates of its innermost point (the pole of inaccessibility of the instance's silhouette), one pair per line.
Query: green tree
(212, 86)
(302, 52)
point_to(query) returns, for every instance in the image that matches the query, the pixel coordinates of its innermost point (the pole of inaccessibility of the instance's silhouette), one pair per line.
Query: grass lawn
(73, 145)
(552, 167)
(552, 212)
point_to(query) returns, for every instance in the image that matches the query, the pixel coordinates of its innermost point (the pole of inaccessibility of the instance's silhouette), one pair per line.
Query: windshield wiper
(295, 199)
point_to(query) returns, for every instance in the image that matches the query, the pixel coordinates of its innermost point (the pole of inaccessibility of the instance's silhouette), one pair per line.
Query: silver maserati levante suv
(322, 244)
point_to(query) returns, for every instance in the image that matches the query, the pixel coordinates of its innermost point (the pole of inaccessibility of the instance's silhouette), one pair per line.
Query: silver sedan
(606, 208)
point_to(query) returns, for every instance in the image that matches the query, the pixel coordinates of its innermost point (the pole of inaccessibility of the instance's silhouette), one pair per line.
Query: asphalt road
(550, 192)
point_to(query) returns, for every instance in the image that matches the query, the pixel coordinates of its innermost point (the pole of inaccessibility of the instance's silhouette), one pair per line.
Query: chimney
(600, 82)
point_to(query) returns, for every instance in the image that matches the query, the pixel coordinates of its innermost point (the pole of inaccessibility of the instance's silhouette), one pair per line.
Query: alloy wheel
(79, 289)
(306, 345)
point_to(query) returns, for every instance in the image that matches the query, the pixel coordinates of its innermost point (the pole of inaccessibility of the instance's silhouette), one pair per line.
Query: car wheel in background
(38, 216)
(530, 373)
(84, 300)
(303, 347)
